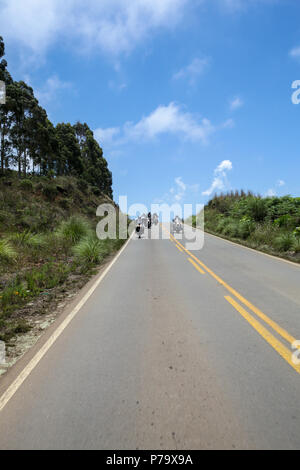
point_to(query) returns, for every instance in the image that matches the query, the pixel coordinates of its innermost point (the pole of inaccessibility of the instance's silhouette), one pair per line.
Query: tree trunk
(25, 164)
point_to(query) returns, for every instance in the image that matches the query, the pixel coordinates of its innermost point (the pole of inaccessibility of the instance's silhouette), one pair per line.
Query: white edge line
(13, 388)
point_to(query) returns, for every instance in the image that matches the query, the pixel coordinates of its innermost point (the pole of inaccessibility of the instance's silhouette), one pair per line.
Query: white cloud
(193, 71)
(113, 26)
(50, 91)
(272, 192)
(178, 192)
(225, 165)
(106, 136)
(229, 124)
(220, 179)
(236, 103)
(181, 189)
(171, 119)
(295, 52)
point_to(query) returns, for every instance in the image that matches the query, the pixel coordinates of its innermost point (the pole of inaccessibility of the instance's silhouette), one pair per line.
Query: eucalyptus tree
(5, 115)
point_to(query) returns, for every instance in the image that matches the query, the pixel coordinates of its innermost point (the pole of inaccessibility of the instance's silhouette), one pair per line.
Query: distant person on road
(139, 230)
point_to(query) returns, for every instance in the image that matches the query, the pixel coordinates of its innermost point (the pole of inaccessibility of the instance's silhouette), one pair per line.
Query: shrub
(246, 227)
(297, 233)
(257, 209)
(27, 238)
(26, 185)
(12, 295)
(96, 191)
(231, 229)
(6, 218)
(74, 229)
(7, 253)
(285, 242)
(82, 185)
(264, 234)
(90, 250)
(50, 192)
(283, 221)
(65, 203)
(47, 277)
(221, 225)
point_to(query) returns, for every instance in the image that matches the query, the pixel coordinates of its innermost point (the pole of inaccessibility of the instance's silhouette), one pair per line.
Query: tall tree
(23, 106)
(96, 170)
(5, 115)
(69, 161)
(29, 140)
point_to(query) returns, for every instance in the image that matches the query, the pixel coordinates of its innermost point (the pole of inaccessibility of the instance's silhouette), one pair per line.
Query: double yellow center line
(279, 347)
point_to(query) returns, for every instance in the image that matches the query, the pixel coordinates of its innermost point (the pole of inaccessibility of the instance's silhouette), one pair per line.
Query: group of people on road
(145, 222)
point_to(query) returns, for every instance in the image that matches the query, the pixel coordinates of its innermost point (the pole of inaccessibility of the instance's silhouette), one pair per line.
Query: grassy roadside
(270, 225)
(48, 247)
(289, 256)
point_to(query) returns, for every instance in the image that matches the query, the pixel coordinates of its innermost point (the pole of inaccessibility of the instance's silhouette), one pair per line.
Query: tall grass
(27, 239)
(74, 229)
(32, 283)
(90, 250)
(7, 253)
(285, 242)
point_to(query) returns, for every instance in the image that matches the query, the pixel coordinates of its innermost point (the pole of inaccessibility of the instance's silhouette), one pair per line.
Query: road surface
(173, 350)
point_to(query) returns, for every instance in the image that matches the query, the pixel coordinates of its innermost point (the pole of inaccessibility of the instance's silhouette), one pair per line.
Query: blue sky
(186, 97)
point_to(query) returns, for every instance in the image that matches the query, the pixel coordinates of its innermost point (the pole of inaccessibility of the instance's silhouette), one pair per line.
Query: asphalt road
(173, 350)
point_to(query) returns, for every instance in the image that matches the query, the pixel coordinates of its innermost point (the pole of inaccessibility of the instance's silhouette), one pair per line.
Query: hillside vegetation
(47, 240)
(269, 224)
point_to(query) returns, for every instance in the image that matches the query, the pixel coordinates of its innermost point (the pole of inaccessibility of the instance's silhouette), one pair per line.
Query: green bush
(7, 253)
(14, 294)
(297, 233)
(264, 234)
(50, 192)
(221, 225)
(257, 209)
(65, 203)
(90, 250)
(82, 185)
(6, 219)
(285, 242)
(246, 227)
(26, 185)
(96, 191)
(283, 221)
(231, 229)
(27, 238)
(74, 229)
(47, 277)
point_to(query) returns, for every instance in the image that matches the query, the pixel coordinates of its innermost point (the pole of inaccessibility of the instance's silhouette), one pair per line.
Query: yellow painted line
(178, 247)
(274, 342)
(282, 332)
(13, 388)
(196, 266)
